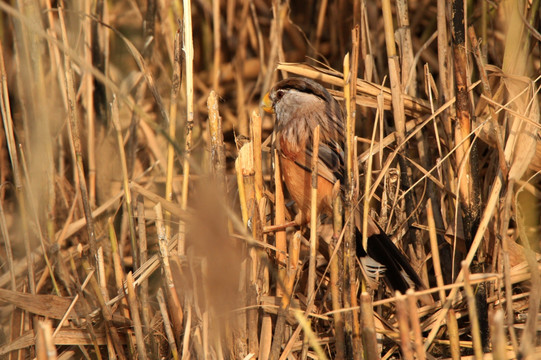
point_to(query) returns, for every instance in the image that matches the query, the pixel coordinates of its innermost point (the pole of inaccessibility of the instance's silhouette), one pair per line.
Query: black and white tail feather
(383, 259)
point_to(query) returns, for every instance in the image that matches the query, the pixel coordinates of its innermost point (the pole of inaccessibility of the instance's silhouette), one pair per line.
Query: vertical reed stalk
(370, 342)
(125, 181)
(76, 138)
(472, 312)
(187, 46)
(175, 86)
(175, 308)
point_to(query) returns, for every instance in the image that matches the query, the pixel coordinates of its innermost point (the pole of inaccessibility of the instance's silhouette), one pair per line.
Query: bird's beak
(266, 104)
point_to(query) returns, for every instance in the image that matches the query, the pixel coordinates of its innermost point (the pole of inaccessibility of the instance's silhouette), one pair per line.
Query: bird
(299, 106)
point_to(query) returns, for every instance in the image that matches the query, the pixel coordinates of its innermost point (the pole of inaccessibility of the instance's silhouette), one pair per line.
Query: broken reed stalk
(75, 142)
(187, 46)
(240, 164)
(403, 325)
(498, 336)
(527, 347)
(170, 170)
(45, 348)
(409, 71)
(217, 148)
(125, 182)
(186, 337)
(415, 324)
(370, 341)
(245, 178)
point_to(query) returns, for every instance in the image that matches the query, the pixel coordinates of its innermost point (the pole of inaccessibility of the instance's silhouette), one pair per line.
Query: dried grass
(140, 205)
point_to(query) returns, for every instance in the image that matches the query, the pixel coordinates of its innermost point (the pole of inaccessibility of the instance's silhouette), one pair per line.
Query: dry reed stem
(311, 291)
(488, 93)
(187, 46)
(143, 288)
(255, 135)
(45, 349)
(415, 325)
(217, 152)
(468, 181)
(350, 290)
(530, 328)
(408, 73)
(370, 342)
(217, 44)
(35, 215)
(134, 311)
(125, 181)
(434, 250)
(367, 91)
(281, 246)
(173, 302)
(472, 312)
(175, 86)
(75, 137)
(88, 99)
(105, 310)
(7, 121)
(404, 326)
(280, 236)
(498, 335)
(167, 324)
(313, 218)
(119, 280)
(485, 219)
(452, 330)
(310, 336)
(200, 340)
(240, 183)
(186, 337)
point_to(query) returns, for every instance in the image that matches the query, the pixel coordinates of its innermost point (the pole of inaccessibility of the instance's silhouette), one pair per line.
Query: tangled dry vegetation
(139, 195)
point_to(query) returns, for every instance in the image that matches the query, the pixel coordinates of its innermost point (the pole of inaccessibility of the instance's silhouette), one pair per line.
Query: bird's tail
(385, 257)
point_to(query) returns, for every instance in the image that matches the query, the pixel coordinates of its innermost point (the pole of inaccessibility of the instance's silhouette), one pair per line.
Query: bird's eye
(278, 95)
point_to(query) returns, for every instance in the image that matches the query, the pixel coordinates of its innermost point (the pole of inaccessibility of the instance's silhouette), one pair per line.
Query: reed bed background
(139, 194)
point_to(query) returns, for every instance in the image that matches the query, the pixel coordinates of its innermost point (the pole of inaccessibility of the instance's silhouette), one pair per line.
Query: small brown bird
(300, 105)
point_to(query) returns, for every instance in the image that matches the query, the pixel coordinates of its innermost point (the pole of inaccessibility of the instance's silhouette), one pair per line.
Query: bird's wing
(330, 158)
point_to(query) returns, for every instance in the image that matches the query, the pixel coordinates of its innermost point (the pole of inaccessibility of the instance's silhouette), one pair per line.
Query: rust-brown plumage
(300, 105)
